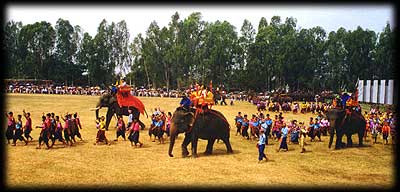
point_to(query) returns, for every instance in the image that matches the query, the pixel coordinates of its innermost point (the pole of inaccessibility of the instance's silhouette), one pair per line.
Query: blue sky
(139, 17)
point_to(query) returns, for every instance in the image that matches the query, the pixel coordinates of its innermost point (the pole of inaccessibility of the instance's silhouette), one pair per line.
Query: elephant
(110, 101)
(345, 125)
(209, 125)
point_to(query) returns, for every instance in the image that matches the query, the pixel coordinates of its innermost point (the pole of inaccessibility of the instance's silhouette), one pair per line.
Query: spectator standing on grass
(311, 129)
(317, 130)
(238, 122)
(374, 130)
(168, 125)
(264, 126)
(385, 132)
(268, 121)
(245, 127)
(283, 144)
(261, 146)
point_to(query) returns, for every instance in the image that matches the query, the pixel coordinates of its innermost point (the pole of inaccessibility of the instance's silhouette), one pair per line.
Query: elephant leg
(360, 138)
(185, 143)
(228, 145)
(194, 145)
(209, 148)
(349, 140)
(338, 143)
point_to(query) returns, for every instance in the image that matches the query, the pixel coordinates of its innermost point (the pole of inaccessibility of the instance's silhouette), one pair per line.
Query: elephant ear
(189, 117)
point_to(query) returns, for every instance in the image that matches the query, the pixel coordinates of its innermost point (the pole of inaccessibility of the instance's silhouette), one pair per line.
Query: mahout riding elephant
(347, 125)
(209, 125)
(110, 101)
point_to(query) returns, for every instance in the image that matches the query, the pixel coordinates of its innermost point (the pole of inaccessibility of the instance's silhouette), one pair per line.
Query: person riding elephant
(347, 125)
(110, 101)
(210, 125)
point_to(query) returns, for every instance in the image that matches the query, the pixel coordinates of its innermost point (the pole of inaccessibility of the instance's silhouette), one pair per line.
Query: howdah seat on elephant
(210, 125)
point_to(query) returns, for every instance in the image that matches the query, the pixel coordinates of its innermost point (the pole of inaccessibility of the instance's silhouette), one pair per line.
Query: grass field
(120, 165)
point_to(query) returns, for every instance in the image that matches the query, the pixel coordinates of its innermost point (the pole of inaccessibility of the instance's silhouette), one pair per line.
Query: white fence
(376, 91)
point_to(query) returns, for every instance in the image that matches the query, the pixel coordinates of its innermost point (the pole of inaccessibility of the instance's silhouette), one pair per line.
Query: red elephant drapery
(125, 99)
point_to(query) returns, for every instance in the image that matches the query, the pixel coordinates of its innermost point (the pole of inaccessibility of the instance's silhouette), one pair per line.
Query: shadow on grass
(216, 152)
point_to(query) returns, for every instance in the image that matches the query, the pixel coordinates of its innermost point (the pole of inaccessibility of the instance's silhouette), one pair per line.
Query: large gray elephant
(347, 125)
(110, 101)
(210, 125)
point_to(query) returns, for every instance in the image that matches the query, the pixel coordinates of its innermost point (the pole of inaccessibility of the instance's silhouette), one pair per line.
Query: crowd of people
(265, 128)
(51, 129)
(380, 123)
(278, 129)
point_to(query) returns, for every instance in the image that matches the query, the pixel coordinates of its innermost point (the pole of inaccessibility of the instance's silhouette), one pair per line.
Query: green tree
(13, 63)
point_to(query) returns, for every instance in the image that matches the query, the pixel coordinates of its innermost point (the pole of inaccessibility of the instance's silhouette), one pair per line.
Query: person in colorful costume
(202, 98)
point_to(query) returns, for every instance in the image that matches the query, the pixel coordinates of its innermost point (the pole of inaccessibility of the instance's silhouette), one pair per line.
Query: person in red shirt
(10, 126)
(44, 133)
(67, 130)
(28, 125)
(385, 132)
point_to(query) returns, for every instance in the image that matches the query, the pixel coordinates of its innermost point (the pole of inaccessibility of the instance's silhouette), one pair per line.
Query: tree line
(191, 50)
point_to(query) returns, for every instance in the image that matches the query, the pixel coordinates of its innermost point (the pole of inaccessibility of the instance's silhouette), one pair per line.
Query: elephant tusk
(94, 109)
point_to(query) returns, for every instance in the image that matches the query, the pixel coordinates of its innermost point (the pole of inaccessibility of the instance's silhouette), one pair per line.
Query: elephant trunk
(98, 107)
(173, 134)
(97, 113)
